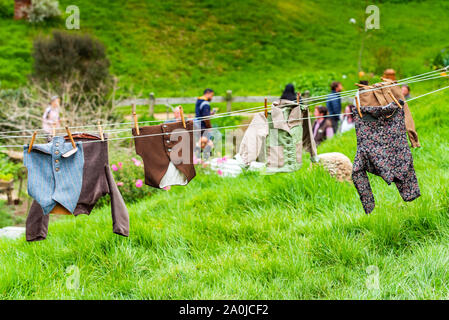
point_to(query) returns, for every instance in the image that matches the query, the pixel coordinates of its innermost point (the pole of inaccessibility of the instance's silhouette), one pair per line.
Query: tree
(68, 57)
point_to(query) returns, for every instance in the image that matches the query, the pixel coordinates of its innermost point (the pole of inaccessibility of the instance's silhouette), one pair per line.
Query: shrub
(8, 169)
(6, 8)
(66, 57)
(442, 59)
(41, 10)
(129, 176)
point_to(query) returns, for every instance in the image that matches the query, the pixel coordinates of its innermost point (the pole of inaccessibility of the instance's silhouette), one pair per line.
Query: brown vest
(381, 97)
(163, 146)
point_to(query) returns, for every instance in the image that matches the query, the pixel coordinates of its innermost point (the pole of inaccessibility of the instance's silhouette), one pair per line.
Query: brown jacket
(381, 97)
(165, 146)
(97, 182)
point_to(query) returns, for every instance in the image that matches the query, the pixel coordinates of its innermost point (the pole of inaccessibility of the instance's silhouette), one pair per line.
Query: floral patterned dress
(383, 150)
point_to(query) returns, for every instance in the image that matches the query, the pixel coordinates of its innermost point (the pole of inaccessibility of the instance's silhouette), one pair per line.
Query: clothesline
(237, 112)
(224, 127)
(223, 115)
(417, 78)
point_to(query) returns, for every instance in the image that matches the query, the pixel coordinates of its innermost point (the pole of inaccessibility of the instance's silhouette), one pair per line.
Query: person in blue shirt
(333, 104)
(202, 109)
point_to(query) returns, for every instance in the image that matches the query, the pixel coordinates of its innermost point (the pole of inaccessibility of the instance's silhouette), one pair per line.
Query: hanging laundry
(383, 150)
(284, 134)
(380, 97)
(167, 153)
(97, 181)
(55, 175)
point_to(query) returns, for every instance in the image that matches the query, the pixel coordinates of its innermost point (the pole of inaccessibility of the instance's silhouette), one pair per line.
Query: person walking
(333, 104)
(51, 118)
(202, 109)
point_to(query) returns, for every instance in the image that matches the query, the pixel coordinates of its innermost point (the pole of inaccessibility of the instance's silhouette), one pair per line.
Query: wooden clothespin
(357, 103)
(298, 97)
(74, 147)
(266, 108)
(394, 99)
(360, 85)
(181, 111)
(32, 141)
(100, 129)
(387, 80)
(136, 125)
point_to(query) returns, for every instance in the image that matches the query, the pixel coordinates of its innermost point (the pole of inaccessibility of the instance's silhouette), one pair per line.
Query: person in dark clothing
(202, 109)
(364, 82)
(333, 104)
(289, 93)
(322, 127)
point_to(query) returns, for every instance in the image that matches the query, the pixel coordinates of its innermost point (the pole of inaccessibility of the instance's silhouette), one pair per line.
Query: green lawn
(253, 47)
(287, 236)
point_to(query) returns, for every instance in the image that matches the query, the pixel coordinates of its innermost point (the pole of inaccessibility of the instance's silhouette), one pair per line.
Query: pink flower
(119, 184)
(136, 162)
(219, 161)
(167, 188)
(120, 165)
(220, 173)
(224, 159)
(139, 183)
(114, 167)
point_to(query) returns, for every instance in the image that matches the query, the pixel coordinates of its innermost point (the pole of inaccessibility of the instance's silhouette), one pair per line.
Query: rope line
(224, 127)
(415, 79)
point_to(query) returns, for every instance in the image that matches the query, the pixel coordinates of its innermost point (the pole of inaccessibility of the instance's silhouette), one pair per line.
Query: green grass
(178, 48)
(287, 236)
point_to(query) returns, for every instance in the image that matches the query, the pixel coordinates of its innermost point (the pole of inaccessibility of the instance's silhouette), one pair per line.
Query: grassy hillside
(252, 47)
(287, 236)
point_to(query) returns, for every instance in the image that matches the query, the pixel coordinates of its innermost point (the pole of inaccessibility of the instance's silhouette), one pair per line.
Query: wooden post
(229, 100)
(151, 105)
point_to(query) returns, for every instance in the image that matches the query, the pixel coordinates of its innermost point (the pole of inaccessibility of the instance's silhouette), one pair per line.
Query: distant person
(333, 104)
(202, 109)
(203, 148)
(347, 120)
(176, 116)
(322, 127)
(51, 117)
(389, 74)
(289, 92)
(406, 91)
